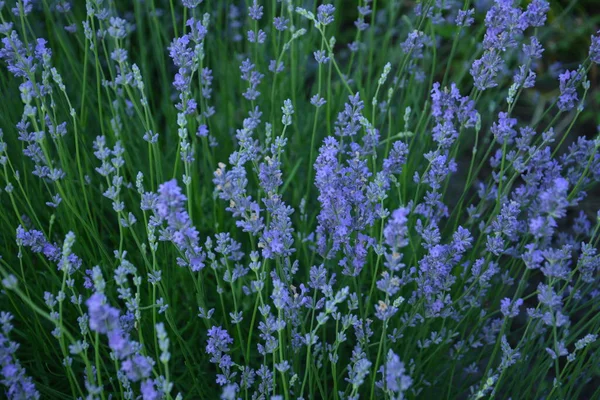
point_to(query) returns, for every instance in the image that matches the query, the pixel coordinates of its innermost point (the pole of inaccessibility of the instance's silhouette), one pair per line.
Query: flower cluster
(298, 199)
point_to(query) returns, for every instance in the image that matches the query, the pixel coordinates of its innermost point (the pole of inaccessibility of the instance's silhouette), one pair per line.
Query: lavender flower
(281, 23)
(510, 309)
(217, 346)
(494, 231)
(536, 13)
(169, 209)
(533, 50)
(485, 69)
(595, 48)
(568, 90)
(252, 77)
(325, 14)
(464, 18)
(137, 367)
(23, 6)
(255, 11)
(509, 355)
(149, 391)
(359, 369)
(414, 44)
(503, 130)
(396, 231)
(505, 23)
(396, 380)
(103, 317)
(14, 378)
(191, 4)
(107, 320)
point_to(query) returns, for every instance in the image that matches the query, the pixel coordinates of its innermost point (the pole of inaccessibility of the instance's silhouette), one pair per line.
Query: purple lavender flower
(252, 77)
(464, 18)
(396, 379)
(231, 183)
(277, 239)
(207, 78)
(450, 104)
(582, 155)
(505, 24)
(106, 319)
(191, 4)
(549, 206)
(589, 262)
(595, 48)
(533, 50)
(434, 273)
(510, 309)
(281, 23)
(23, 6)
(509, 355)
(507, 222)
(321, 57)
(325, 14)
(568, 82)
(396, 230)
(258, 37)
(103, 317)
(396, 159)
(5, 28)
(335, 209)
(348, 122)
(355, 255)
(359, 368)
(217, 346)
(255, 11)
(148, 390)
(485, 69)
(524, 77)
(233, 16)
(389, 285)
(536, 13)
(169, 208)
(414, 44)
(557, 262)
(317, 101)
(17, 384)
(440, 167)
(503, 130)
(363, 11)
(137, 367)
(276, 67)
(38, 243)
(180, 53)
(281, 298)
(18, 60)
(561, 348)
(548, 297)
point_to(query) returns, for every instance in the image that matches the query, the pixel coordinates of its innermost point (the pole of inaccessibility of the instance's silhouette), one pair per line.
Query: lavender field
(298, 199)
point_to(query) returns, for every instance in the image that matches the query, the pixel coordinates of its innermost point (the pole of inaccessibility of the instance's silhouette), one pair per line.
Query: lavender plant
(299, 199)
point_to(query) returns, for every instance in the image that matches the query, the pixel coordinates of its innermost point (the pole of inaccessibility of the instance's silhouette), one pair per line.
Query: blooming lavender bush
(299, 200)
